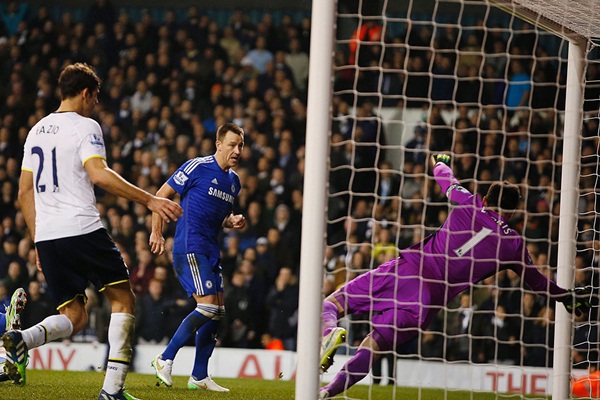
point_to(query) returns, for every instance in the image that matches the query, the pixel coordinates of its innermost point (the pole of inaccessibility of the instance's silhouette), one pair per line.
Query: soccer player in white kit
(64, 157)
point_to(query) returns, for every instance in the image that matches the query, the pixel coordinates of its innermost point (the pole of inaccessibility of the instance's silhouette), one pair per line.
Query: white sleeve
(91, 140)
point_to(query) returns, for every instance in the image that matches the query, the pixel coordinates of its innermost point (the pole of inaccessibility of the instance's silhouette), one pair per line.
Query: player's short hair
(77, 77)
(504, 195)
(229, 127)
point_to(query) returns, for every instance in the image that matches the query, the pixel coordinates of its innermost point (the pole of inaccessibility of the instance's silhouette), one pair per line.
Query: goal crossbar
(572, 20)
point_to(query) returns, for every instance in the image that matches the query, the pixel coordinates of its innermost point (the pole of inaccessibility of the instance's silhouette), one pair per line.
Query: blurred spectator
(230, 44)
(279, 249)
(363, 42)
(9, 254)
(585, 343)
(415, 152)
(389, 184)
(238, 328)
(459, 329)
(519, 87)
(141, 99)
(297, 60)
(16, 276)
(332, 264)
(271, 343)
(432, 341)
(266, 263)
(38, 306)
(142, 272)
(12, 14)
(231, 256)
(502, 337)
(288, 232)
(538, 338)
(179, 308)
(384, 247)
(4, 295)
(153, 309)
(282, 301)
(260, 56)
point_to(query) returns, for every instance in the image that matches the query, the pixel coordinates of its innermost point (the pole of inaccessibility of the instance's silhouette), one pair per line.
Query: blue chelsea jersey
(207, 197)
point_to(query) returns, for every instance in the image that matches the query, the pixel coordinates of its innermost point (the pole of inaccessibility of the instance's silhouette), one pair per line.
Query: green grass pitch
(60, 385)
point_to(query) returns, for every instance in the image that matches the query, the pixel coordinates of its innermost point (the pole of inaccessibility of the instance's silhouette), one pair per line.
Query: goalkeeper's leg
(355, 369)
(333, 337)
(386, 336)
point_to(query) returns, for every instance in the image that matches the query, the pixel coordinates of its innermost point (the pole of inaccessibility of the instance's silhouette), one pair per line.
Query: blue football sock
(205, 345)
(187, 328)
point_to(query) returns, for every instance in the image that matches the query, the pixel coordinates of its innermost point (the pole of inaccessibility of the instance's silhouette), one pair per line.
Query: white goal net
(469, 79)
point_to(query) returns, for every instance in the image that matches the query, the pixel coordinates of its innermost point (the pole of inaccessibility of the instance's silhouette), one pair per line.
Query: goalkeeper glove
(578, 300)
(443, 158)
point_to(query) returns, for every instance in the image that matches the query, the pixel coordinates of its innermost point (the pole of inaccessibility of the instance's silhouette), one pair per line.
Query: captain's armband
(451, 188)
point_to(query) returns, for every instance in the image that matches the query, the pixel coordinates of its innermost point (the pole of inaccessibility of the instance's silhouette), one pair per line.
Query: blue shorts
(198, 273)
(70, 264)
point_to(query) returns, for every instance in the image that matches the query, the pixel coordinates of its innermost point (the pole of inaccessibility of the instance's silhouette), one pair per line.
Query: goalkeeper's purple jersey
(207, 196)
(474, 243)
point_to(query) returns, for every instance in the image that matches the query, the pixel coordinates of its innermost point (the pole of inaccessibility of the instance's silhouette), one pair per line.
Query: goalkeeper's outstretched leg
(400, 329)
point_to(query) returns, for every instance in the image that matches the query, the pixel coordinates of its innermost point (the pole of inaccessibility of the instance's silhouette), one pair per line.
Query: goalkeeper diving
(404, 295)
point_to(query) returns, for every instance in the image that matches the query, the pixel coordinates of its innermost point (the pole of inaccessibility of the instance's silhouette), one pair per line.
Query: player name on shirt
(503, 225)
(53, 129)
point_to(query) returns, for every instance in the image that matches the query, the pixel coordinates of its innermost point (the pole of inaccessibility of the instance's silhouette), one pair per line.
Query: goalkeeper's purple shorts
(393, 302)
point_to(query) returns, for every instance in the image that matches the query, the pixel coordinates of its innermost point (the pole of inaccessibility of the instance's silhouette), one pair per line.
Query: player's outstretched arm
(439, 158)
(157, 241)
(577, 300)
(101, 175)
(445, 178)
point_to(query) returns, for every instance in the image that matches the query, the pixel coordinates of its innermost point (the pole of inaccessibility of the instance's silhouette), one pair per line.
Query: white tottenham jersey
(56, 150)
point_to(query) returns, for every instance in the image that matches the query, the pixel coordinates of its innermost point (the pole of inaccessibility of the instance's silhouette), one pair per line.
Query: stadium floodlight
(397, 80)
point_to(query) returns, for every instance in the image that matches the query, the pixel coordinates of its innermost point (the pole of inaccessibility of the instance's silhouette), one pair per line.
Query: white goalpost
(313, 208)
(391, 82)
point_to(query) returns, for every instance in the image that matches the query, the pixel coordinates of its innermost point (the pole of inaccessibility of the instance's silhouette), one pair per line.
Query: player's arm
(445, 178)
(575, 300)
(157, 241)
(27, 200)
(102, 175)
(27, 203)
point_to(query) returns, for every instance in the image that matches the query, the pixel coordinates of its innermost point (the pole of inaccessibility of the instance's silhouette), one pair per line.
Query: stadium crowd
(169, 83)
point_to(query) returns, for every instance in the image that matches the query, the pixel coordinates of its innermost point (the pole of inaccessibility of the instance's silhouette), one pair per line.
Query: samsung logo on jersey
(220, 194)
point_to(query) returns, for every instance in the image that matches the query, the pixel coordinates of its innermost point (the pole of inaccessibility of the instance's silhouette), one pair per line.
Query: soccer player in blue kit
(208, 187)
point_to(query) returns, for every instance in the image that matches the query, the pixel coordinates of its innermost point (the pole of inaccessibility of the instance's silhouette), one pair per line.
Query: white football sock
(52, 328)
(120, 334)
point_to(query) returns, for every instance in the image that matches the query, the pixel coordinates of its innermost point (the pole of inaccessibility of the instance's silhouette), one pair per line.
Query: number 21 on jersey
(40, 187)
